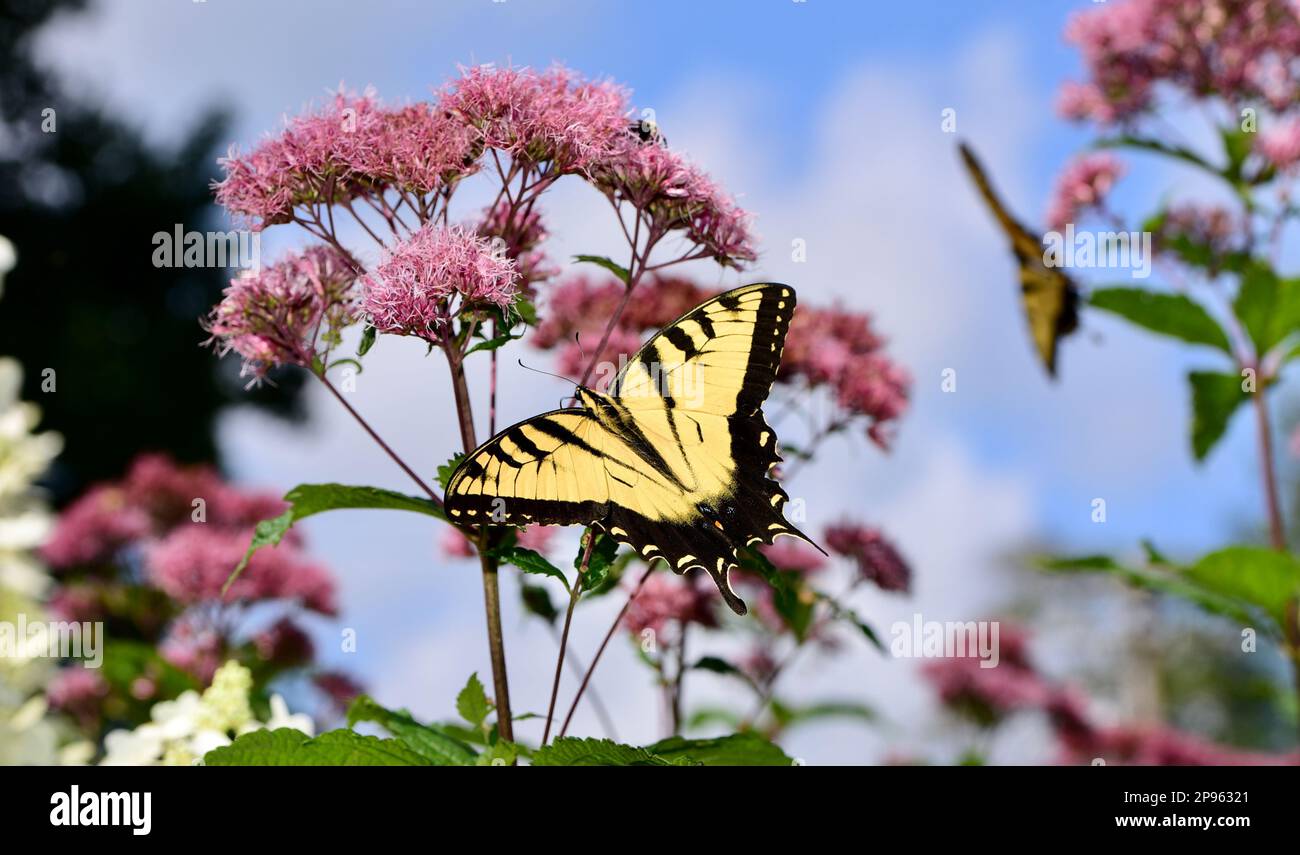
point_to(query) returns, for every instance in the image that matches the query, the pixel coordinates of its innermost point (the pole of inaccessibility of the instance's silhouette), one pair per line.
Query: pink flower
(94, 528)
(553, 118)
(673, 195)
(78, 603)
(292, 313)
(1214, 228)
(350, 146)
(987, 694)
(877, 559)
(193, 562)
(77, 691)
(1238, 50)
(1280, 145)
(790, 554)
(1081, 187)
(412, 291)
(666, 599)
(193, 647)
(339, 688)
(520, 233)
(284, 644)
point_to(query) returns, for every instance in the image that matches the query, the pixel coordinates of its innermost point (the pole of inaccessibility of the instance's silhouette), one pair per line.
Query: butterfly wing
(1050, 298)
(694, 394)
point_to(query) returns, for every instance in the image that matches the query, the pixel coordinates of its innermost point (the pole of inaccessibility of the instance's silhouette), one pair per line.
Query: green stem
(574, 593)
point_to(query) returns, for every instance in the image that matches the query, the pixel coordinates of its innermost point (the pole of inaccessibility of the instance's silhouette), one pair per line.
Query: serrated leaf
(1267, 306)
(306, 500)
(1158, 581)
(738, 749)
(529, 561)
(793, 600)
(603, 552)
(1262, 577)
(368, 336)
(446, 470)
(429, 741)
(537, 601)
(574, 751)
(501, 753)
(1173, 315)
(494, 343)
(1215, 397)
(288, 747)
(472, 702)
(617, 269)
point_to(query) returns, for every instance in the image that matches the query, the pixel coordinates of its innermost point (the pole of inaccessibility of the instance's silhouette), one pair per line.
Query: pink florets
(1082, 186)
(877, 559)
(1238, 50)
(94, 528)
(839, 349)
(193, 562)
(1280, 145)
(193, 647)
(291, 313)
(352, 145)
(77, 691)
(672, 194)
(666, 599)
(553, 118)
(412, 291)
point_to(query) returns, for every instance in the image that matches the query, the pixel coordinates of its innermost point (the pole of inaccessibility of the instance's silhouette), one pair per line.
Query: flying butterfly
(672, 461)
(1050, 297)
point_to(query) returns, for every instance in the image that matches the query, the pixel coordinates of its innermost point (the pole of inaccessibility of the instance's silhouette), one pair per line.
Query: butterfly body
(1050, 297)
(672, 461)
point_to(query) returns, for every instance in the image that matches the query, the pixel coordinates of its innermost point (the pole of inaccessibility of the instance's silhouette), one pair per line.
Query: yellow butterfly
(672, 461)
(1051, 298)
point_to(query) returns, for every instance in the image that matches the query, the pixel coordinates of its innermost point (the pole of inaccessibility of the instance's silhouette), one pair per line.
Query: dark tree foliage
(81, 205)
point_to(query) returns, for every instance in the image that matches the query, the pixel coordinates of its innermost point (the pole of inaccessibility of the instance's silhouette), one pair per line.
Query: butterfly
(1050, 297)
(673, 460)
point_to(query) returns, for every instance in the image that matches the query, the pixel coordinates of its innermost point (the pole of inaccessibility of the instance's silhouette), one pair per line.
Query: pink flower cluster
(837, 348)
(412, 291)
(291, 313)
(350, 146)
(1280, 144)
(520, 233)
(1082, 187)
(77, 691)
(1212, 229)
(192, 563)
(671, 194)
(987, 695)
(666, 599)
(551, 118)
(1238, 50)
(876, 558)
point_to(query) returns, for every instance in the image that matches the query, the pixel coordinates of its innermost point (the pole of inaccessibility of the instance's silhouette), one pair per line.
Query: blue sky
(823, 118)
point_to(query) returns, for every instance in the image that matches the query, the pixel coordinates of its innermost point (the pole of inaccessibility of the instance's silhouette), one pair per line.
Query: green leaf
(788, 716)
(793, 600)
(308, 499)
(1158, 581)
(1167, 149)
(446, 470)
(738, 749)
(528, 561)
(429, 741)
(472, 702)
(494, 343)
(1168, 314)
(617, 269)
(1262, 577)
(368, 336)
(842, 612)
(1215, 397)
(501, 753)
(1267, 306)
(537, 601)
(288, 747)
(602, 559)
(526, 311)
(573, 751)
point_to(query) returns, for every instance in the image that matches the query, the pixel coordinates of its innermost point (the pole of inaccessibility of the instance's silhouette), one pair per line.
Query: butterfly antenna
(548, 373)
(577, 339)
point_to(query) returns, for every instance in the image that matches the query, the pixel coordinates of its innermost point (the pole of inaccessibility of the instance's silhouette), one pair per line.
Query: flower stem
(574, 594)
(600, 651)
(428, 491)
(488, 564)
(1276, 529)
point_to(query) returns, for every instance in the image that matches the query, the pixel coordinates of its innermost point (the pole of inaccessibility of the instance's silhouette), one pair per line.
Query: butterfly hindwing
(673, 462)
(1049, 296)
